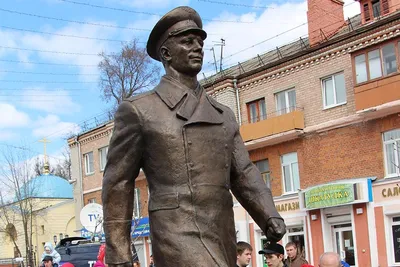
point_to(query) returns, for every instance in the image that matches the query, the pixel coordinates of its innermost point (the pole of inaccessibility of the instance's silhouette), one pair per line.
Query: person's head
(273, 254)
(329, 259)
(291, 250)
(177, 41)
(48, 247)
(243, 252)
(151, 259)
(136, 264)
(48, 261)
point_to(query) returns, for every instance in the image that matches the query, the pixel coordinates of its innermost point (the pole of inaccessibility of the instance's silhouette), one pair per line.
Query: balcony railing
(274, 123)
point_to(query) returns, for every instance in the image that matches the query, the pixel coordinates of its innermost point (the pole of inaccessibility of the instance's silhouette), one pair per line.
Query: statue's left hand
(276, 229)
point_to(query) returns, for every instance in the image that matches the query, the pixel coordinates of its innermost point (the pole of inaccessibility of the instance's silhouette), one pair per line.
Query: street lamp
(55, 239)
(61, 236)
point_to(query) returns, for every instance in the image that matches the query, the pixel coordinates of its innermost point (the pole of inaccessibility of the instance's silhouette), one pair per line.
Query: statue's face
(186, 53)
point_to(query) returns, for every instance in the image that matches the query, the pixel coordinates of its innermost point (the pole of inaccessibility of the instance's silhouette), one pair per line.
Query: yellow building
(49, 211)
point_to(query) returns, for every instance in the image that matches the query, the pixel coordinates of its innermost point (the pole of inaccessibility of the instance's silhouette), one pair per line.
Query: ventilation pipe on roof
(237, 100)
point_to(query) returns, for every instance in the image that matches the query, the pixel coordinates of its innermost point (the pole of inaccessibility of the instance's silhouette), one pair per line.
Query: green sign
(329, 195)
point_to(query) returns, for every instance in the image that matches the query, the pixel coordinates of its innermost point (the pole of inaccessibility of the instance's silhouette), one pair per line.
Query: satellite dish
(92, 217)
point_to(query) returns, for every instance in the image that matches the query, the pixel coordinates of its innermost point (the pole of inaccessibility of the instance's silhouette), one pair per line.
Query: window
(103, 157)
(286, 101)
(373, 64)
(290, 170)
(389, 59)
(334, 90)
(91, 200)
(391, 140)
(296, 234)
(263, 167)
(256, 110)
(367, 16)
(395, 222)
(376, 8)
(89, 166)
(136, 204)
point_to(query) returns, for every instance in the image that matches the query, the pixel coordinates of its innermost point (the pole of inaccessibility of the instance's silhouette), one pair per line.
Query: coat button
(189, 142)
(226, 145)
(191, 164)
(226, 165)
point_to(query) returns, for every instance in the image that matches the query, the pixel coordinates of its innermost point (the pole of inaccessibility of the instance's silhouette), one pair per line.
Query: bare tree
(60, 168)
(16, 202)
(126, 73)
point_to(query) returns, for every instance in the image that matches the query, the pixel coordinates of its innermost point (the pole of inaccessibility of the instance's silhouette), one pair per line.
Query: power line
(26, 149)
(139, 12)
(65, 35)
(47, 90)
(49, 51)
(46, 63)
(72, 21)
(49, 73)
(22, 81)
(281, 33)
(239, 5)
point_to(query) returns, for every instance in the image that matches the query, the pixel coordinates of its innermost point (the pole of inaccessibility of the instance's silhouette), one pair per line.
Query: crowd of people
(274, 256)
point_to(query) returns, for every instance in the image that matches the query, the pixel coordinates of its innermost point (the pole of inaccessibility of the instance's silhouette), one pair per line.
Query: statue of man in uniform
(193, 156)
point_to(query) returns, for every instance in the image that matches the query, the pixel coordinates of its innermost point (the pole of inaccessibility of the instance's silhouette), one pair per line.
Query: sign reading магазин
(329, 195)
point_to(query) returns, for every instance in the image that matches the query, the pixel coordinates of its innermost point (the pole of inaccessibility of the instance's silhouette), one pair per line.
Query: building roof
(47, 186)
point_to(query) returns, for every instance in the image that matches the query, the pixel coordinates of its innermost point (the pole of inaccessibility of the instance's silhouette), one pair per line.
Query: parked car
(79, 251)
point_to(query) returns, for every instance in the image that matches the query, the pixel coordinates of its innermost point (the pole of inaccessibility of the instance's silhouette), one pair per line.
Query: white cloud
(64, 44)
(52, 126)
(11, 117)
(268, 28)
(270, 23)
(55, 101)
(351, 8)
(6, 135)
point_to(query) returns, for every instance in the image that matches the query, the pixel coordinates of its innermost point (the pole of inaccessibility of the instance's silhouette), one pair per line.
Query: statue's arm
(122, 168)
(249, 188)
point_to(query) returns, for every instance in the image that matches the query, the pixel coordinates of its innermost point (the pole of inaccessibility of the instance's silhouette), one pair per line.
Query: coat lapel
(193, 109)
(206, 111)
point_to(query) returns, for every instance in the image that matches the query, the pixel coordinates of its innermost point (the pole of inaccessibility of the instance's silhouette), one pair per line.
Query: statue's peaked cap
(175, 22)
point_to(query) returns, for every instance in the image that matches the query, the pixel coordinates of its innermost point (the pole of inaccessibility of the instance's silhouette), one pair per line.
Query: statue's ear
(165, 55)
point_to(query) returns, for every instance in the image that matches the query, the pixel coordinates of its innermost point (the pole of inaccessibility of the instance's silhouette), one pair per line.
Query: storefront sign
(329, 195)
(287, 206)
(391, 191)
(140, 227)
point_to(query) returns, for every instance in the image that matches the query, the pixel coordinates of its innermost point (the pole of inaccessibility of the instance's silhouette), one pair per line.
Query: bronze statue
(192, 154)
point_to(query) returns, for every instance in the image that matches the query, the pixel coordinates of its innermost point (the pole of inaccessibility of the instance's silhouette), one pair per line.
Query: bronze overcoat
(192, 154)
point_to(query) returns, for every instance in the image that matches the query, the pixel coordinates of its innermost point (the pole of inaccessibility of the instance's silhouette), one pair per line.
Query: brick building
(320, 117)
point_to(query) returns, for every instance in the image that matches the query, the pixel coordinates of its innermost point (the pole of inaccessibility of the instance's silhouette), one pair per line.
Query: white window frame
(291, 173)
(287, 108)
(266, 175)
(86, 157)
(136, 203)
(396, 157)
(101, 163)
(92, 200)
(392, 261)
(335, 104)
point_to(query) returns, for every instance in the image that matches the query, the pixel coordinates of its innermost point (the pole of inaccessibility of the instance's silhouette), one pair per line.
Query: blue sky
(60, 95)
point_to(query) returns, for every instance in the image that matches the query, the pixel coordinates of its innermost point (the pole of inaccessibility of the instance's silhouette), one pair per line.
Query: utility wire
(45, 63)
(22, 81)
(72, 21)
(279, 34)
(240, 5)
(49, 51)
(140, 12)
(65, 35)
(49, 73)
(38, 89)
